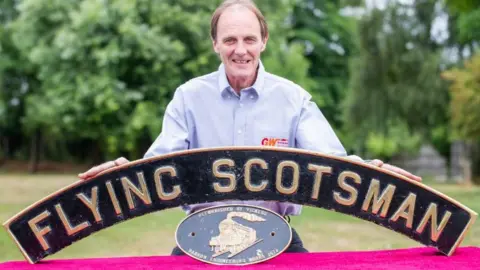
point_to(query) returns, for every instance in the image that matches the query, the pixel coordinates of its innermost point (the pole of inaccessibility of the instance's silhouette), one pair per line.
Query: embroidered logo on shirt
(275, 142)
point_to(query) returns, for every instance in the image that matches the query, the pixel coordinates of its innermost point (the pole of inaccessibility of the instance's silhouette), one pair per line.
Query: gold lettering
(92, 204)
(408, 203)
(66, 222)
(159, 186)
(40, 232)
(431, 214)
(383, 202)
(231, 176)
(248, 180)
(353, 191)
(319, 171)
(295, 181)
(128, 187)
(113, 198)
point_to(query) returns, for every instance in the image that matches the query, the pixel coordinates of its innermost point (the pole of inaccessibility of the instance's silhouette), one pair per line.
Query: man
(242, 104)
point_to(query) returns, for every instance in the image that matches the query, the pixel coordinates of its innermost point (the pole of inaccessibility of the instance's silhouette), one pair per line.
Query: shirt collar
(224, 85)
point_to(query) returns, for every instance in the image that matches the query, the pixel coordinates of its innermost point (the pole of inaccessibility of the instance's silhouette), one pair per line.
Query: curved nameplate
(240, 173)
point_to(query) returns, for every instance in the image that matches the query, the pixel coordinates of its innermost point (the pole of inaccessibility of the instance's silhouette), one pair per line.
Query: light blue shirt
(206, 112)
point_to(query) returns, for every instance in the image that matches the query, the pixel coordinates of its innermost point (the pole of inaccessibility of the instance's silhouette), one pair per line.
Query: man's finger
(377, 162)
(402, 172)
(121, 160)
(97, 169)
(86, 174)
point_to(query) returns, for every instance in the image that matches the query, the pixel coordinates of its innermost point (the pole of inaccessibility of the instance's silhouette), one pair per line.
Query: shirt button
(239, 131)
(241, 104)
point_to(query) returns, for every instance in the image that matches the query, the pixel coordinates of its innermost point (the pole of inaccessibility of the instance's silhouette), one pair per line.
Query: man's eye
(229, 41)
(250, 40)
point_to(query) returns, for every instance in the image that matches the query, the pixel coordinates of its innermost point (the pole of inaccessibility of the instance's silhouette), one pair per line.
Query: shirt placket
(240, 121)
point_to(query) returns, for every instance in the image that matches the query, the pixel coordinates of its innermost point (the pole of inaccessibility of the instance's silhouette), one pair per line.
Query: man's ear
(264, 43)
(214, 45)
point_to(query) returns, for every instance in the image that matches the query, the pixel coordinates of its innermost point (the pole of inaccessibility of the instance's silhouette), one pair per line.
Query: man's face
(239, 42)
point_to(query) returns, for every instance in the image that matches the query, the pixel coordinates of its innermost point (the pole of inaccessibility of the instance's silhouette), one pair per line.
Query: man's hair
(245, 3)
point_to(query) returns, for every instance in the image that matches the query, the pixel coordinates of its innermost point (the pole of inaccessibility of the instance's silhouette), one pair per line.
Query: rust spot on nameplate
(234, 235)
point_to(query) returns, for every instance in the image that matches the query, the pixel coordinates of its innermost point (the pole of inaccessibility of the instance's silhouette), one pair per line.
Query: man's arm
(315, 133)
(174, 135)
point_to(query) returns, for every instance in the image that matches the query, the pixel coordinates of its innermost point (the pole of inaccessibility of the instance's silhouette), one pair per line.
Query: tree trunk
(96, 156)
(460, 53)
(35, 151)
(7, 147)
(466, 165)
(476, 163)
(4, 146)
(472, 48)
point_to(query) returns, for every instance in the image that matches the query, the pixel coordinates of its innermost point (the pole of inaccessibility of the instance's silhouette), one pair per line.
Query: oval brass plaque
(233, 235)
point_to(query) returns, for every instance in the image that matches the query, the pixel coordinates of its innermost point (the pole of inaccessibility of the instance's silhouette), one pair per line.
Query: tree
(16, 81)
(463, 77)
(464, 22)
(106, 70)
(327, 35)
(465, 104)
(396, 100)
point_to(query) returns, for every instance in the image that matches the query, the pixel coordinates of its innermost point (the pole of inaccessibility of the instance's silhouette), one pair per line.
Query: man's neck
(241, 83)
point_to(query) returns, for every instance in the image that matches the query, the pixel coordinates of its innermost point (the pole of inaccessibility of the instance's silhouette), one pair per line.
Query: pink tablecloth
(414, 258)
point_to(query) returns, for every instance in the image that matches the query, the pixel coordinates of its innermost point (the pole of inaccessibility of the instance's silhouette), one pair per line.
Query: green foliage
(107, 70)
(469, 25)
(94, 77)
(464, 22)
(327, 35)
(96, 63)
(16, 81)
(282, 57)
(462, 5)
(465, 103)
(395, 81)
(464, 77)
(398, 139)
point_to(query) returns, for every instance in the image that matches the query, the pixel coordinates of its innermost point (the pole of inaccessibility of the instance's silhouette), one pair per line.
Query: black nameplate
(249, 173)
(233, 235)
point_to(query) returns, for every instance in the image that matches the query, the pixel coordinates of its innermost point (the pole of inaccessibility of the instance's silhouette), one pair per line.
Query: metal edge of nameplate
(234, 208)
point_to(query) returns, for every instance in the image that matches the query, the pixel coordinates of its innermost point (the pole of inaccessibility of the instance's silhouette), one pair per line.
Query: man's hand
(102, 167)
(392, 168)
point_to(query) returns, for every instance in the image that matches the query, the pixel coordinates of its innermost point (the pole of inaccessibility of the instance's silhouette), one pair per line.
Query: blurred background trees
(83, 81)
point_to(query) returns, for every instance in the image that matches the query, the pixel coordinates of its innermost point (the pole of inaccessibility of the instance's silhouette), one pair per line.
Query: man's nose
(240, 49)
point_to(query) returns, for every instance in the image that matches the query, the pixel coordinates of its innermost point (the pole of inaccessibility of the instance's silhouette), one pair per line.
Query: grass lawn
(153, 234)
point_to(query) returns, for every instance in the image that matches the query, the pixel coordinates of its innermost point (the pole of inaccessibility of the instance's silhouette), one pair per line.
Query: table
(411, 258)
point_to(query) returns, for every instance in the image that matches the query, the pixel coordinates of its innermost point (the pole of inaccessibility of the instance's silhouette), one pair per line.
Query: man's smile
(241, 61)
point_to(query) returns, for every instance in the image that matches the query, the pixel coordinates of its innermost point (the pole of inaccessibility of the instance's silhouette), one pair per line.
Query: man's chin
(242, 72)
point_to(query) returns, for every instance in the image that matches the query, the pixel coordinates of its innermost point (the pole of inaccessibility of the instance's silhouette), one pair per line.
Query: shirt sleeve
(315, 133)
(174, 135)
